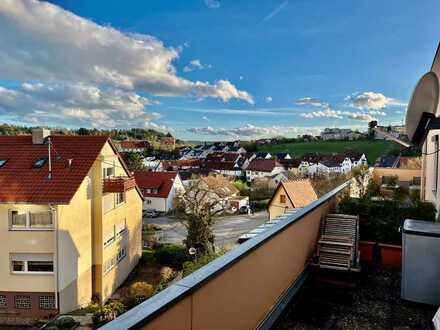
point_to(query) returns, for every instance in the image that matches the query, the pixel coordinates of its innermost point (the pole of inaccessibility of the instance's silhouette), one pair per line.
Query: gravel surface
(373, 304)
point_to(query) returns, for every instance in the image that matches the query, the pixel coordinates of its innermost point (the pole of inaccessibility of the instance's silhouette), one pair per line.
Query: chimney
(69, 162)
(39, 134)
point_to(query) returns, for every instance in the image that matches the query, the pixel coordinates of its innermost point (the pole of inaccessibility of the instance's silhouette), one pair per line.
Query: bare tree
(197, 208)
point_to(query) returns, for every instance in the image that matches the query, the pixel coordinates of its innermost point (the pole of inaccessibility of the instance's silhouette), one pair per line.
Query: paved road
(226, 229)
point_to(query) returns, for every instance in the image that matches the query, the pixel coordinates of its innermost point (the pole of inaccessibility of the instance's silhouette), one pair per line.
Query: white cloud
(337, 114)
(312, 102)
(196, 65)
(252, 131)
(46, 43)
(205, 118)
(268, 99)
(78, 104)
(372, 100)
(213, 4)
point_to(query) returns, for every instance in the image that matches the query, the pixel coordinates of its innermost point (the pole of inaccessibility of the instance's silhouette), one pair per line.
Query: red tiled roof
(155, 180)
(225, 166)
(22, 183)
(263, 165)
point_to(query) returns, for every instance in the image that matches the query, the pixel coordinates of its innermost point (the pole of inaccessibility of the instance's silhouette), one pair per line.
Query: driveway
(227, 229)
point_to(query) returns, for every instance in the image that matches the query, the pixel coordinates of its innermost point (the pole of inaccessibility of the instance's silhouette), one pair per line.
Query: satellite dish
(422, 107)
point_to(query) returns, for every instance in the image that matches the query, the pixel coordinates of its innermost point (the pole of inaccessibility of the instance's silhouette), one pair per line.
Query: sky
(213, 69)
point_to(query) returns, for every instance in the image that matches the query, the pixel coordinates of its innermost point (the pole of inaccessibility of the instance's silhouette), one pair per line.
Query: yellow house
(290, 195)
(70, 222)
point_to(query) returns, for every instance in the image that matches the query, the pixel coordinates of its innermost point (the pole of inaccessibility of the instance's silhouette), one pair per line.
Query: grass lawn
(371, 148)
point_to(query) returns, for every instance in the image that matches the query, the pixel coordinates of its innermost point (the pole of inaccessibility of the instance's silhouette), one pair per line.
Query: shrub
(259, 205)
(171, 255)
(380, 220)
(148, 256)
(141, 289)
(191, 266)
(111, 310)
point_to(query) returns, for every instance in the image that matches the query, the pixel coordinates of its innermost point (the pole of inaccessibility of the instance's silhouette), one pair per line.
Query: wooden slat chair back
(339, 243)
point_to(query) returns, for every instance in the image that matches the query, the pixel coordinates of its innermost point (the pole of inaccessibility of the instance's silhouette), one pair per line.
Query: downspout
(55, 259)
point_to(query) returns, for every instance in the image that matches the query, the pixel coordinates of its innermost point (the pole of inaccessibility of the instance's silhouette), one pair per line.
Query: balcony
(257, 279)
(118, 184)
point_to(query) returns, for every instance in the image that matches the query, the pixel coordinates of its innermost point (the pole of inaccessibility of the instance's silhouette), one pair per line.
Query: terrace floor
(374, 303)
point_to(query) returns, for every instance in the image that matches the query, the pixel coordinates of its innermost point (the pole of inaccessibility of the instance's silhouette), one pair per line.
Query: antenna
(49, 142)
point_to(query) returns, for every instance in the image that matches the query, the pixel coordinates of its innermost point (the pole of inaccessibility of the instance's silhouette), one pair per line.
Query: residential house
(291, 165)
(263, 155)
(134, 146)
(168, 143)
(237, 149)
(407, 170)
(181, 165)
(259, 168)
(159, 189)
(283, 156)
(71, 222)
(339, 134)
(290, 195)
(153, 163)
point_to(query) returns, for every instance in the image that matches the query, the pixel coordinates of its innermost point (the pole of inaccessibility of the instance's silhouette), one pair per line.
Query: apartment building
(70, 222)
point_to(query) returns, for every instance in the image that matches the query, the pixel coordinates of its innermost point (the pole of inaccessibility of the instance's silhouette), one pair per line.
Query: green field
(371, 148)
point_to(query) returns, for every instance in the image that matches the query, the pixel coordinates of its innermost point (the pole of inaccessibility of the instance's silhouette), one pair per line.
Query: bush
(171, 255)
(108, 312)
(191, 266)
(141, 289)
(148, 256)
(380, 220)
(260, 205)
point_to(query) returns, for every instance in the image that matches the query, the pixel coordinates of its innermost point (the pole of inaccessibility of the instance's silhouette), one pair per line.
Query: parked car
(151, 213)
(244, 209)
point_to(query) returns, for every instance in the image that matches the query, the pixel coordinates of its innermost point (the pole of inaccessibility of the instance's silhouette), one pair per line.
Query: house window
(148, 201)
(46, 302)
(3, 302)
(23, 302)
(120, 198)
(109, 237)
(121, 254)
(417, 181)
(108, 172)
(31, 263)
(39, 163)
(40, 219)
(20, 219)
(40, 266)
(121, 228)
(3, 162)
(283, 199)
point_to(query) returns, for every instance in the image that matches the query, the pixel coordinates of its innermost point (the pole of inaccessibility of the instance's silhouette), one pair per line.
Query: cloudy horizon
(255, 73)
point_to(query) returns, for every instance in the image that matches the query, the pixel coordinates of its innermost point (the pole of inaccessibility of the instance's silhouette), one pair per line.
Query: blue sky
(213, 69)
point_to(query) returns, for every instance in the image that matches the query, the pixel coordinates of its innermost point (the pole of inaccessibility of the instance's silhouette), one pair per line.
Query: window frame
(28, 226)
(117, 201)
(26, 258)
(283, 199)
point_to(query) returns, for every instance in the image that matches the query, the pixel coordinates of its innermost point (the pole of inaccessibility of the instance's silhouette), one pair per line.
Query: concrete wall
(75, 249)
(241, 296)
(23, 241)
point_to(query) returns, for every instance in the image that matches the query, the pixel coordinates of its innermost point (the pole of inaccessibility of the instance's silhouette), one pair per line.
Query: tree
(197, 208)
(135, 161)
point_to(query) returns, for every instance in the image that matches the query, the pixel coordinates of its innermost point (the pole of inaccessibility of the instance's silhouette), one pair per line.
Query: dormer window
(39, 162)
(3, 162)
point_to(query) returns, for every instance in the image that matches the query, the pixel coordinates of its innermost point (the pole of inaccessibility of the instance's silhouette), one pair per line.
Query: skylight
(39, 162)
(3, 162)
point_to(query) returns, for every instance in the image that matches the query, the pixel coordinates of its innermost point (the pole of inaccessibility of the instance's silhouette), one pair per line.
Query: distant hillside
(117, 134)
(372, 148)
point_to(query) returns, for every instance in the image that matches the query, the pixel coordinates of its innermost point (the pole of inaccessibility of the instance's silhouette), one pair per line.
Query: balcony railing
(118, 184)
(246, 288)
